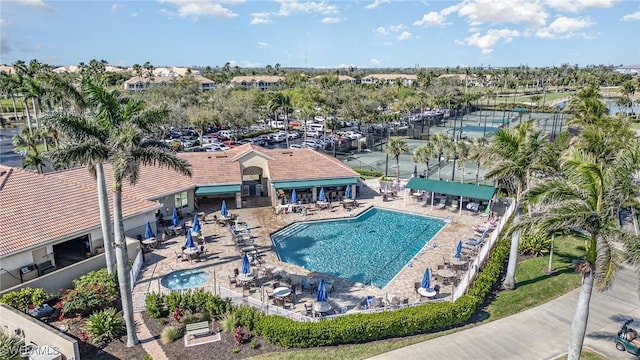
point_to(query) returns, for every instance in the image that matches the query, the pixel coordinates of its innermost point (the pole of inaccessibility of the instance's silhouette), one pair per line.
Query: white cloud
(431, 19)
(133, 14)
(397, 28)
(289, 7)
(374, 61)
(331, 20)
(404, 36)
(381, 30)
(195, 9)
(260, 18)
(38, 4)
(499, 11)
(376, 3)
(631, 17)
(577, 5)
(251, 64)
(487, 41)
(262, 44)
(565, 28)
(115, 7)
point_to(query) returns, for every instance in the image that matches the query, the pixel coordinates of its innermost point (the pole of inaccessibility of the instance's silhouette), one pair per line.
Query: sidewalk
(538, 333)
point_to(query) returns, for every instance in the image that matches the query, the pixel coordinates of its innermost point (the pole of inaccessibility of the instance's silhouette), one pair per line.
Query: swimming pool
(184, 279)
(369, 249)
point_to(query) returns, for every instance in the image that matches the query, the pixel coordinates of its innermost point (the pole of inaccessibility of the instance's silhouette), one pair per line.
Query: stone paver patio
(223, 255)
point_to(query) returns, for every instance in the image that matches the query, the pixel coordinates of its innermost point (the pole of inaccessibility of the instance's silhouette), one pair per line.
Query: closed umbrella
(322, 291)
(196, 224)
(246, 265)
(148, 232)
(415, 171)
(223, 210)
(426, 279)
(347, 192)
(174, 218)
(322, 197)
(458, 250)
(294, 197)
(189, 243)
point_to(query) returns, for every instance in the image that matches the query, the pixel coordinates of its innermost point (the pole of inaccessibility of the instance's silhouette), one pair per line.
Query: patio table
(445, 273)
(151, 242)
(281, 291)
(245, 277)
(321, 307)
(428, 292)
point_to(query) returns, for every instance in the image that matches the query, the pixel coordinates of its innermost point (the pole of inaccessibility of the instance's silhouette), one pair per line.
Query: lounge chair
(442, 204)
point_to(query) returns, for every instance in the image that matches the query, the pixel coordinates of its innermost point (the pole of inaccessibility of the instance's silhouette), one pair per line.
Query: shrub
(104, 325)
(9, 345)
(173, 301)
(229, 322)
(93, 291)
(534, 244)
(154, 305)
(238, 336)
(177, 314)
(147, 357)
(254, 345)
(24, 298)
(247, 316)
(371, 173)
(170, 334)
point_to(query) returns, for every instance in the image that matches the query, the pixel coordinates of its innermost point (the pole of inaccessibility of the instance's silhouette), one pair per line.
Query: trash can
(384, 198)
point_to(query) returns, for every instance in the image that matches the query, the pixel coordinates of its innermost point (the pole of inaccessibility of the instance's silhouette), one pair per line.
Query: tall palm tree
(462, 152)
(395, 147)
(279, 102)
(478, 154)
(440, 143)
(587, 198)
(514, 155)
(423, 154)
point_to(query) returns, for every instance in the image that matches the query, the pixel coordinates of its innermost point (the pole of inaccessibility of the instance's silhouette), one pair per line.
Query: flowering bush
(239, 336)
(177, 314)
(93, 291)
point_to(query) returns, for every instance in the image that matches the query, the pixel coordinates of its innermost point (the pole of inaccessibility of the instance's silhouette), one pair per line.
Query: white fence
(483, 255)
(135, 269)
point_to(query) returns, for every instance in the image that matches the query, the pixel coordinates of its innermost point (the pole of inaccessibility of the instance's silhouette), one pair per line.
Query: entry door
(245, 190)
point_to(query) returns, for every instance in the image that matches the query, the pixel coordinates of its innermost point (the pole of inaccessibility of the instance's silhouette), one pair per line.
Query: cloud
(499, 11)
(38, 4)
(262, 44)
(578, 5)
(381, 30)
(631, 17)
(487, 41)
(115, 7)
(376, 3)
(251, 64)
(133, 14)
(195, 9)
(431, 19)
(374, 61)
(289, 7)
(565, 28)
(404, 36)
(397, 28)
(330, 20)
(260, 18)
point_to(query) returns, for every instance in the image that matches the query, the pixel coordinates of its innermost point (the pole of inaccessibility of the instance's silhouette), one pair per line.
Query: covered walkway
(480, 193)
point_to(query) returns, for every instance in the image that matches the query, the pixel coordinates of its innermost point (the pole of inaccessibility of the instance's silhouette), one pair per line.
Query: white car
(216, 147)
(278, 137)
(295, 146)
(313, 133)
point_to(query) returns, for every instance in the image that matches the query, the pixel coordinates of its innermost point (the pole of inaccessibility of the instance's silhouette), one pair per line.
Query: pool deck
(223, 256)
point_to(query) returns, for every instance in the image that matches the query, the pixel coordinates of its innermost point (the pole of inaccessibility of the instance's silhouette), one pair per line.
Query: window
(182, 200)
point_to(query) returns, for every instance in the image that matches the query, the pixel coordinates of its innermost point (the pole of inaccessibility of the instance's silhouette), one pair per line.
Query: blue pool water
(184, 279)
(371, 248)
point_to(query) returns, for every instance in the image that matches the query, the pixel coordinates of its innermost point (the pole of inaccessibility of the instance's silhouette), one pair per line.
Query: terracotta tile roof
(213, 167)
(38, 208)
(303, 164)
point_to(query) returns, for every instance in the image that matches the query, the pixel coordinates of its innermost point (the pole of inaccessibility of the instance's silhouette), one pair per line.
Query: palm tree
(513, 155)
(423, 154)
(279, 102)
(478, 153)
(395, 147)
(587, 198)
(462, 153)
(440, 143)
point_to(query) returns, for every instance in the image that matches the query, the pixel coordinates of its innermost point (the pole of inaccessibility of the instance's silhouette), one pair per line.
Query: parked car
(293, 135)
(295, 146)
(277, 137)
(216, 147)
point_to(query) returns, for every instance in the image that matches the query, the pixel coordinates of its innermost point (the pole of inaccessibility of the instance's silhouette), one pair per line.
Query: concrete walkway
(539, 333)
(150, 345)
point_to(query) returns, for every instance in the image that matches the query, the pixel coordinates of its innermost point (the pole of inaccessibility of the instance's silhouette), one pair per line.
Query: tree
(279, 102)
(440, 143)
(586, 198)
(423, 154)
(395, 147)
(478, 154)
(514, 155)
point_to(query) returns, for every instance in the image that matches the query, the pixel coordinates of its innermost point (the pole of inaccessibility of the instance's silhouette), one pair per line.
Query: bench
(199, 328)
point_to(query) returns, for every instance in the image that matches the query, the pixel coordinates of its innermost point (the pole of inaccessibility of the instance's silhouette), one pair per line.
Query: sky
(323, 34)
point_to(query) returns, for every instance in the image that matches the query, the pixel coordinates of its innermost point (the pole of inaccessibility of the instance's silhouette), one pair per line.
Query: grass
(586, 355)
(534, 288)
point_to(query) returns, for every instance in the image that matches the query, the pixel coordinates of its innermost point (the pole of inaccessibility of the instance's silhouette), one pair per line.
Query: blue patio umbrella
(347, 192)
(322, 291)
(426, 279)
(246, 265)
(189, 243)
(415, 171)
(196, 224)
(174, 219)
(223, 210)
(458, 250)
(322, 196)
(294, 197)
(148, 232)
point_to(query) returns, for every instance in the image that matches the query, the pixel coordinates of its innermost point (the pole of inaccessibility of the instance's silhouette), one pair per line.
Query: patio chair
(236, 272)
(442, 204)
(308, 309)
(232, 281)
(416, 286)
(279, 302)
(405, 301)
(178, 256)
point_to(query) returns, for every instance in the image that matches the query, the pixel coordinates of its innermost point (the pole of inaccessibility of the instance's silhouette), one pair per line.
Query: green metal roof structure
(305, 184)
(217, 190)
(472, 191)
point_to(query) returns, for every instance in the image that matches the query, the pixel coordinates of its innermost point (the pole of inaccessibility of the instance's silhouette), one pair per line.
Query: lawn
(534, 288)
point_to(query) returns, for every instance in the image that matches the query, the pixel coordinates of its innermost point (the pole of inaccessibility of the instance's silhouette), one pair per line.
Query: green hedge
(358, 328)
(371, 173)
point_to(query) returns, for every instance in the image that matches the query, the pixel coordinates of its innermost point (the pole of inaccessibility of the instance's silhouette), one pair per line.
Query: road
(7, 156)
(539, 333)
